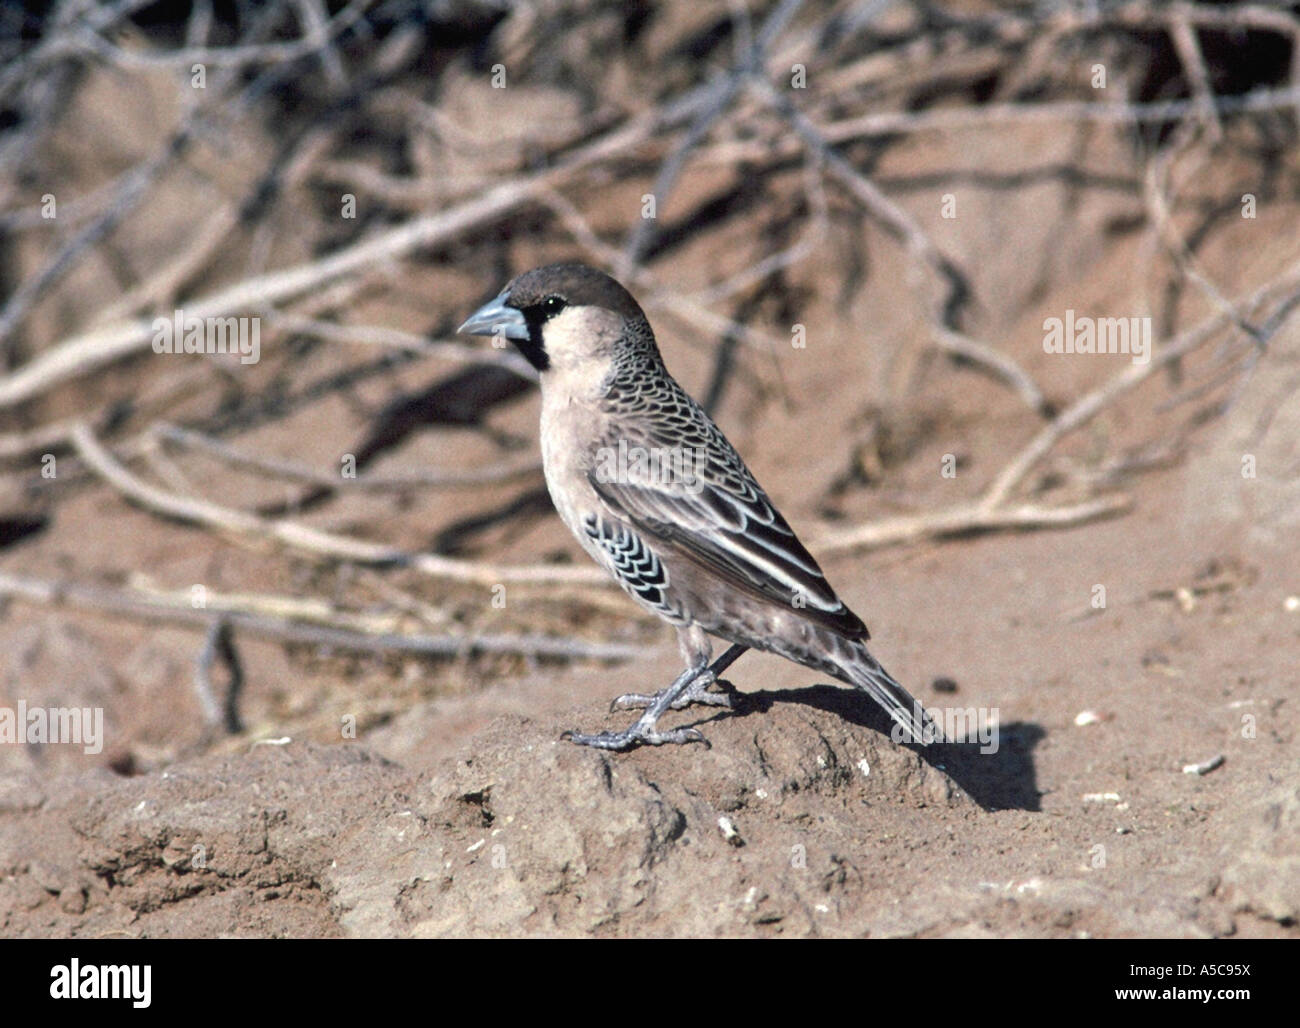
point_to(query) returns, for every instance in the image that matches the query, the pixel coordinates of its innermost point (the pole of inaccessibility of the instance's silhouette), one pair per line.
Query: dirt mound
(799, 819)
(522, 834)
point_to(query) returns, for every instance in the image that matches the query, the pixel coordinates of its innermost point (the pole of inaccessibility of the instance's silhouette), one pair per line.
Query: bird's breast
(569, 438)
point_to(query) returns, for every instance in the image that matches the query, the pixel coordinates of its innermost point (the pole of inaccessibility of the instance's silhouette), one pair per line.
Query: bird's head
(563, 317)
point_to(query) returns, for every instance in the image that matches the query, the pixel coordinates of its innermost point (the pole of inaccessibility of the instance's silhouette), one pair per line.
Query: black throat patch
(533, 349)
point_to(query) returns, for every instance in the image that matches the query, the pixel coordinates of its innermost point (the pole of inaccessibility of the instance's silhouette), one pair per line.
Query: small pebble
(1205, 767)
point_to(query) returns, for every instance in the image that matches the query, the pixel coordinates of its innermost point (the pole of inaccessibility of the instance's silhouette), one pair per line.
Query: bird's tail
(866, 673)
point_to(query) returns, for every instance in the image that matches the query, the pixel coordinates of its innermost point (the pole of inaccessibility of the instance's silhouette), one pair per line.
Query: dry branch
(968, 519)
(374, 483)
(86, 353)
(1088, 406)
(310, 540)
(338, 633)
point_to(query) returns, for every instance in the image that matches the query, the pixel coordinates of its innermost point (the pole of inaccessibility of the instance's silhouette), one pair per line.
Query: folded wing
(673, 476)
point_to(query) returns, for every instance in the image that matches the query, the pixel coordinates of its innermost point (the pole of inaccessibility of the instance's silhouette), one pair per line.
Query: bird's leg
(643, 729)
(696, 692)
(695, 646)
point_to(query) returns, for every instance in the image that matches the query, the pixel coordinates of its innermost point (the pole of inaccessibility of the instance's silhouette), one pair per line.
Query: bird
(658, 497)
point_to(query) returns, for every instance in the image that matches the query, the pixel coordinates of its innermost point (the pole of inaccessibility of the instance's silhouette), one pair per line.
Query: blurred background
(851, 224)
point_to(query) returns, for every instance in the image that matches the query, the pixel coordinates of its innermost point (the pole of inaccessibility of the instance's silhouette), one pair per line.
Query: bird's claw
(635, 736)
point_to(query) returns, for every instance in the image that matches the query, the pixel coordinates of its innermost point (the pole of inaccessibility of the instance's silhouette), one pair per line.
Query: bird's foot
(697, 693)
(691, 686)
(637, 735)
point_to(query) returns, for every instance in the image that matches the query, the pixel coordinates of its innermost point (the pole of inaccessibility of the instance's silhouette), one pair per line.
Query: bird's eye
(552, 305)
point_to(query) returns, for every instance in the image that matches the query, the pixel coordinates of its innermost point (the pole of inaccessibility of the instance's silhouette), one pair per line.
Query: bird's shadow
(998, 772)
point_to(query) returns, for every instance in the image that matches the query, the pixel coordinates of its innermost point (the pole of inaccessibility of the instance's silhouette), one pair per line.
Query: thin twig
(312, 540)
(379, 335)
(84, 354)
(181, 612)
(968, 519)
(958, 344)
(371, 483)
(723, 93)
(1088, 406)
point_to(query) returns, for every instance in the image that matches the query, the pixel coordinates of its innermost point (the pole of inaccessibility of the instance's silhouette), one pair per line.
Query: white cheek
(567, 337)
(580, 345)
(580, 336)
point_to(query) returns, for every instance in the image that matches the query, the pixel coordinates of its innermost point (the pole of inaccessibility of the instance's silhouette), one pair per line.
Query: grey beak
(493, 318)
